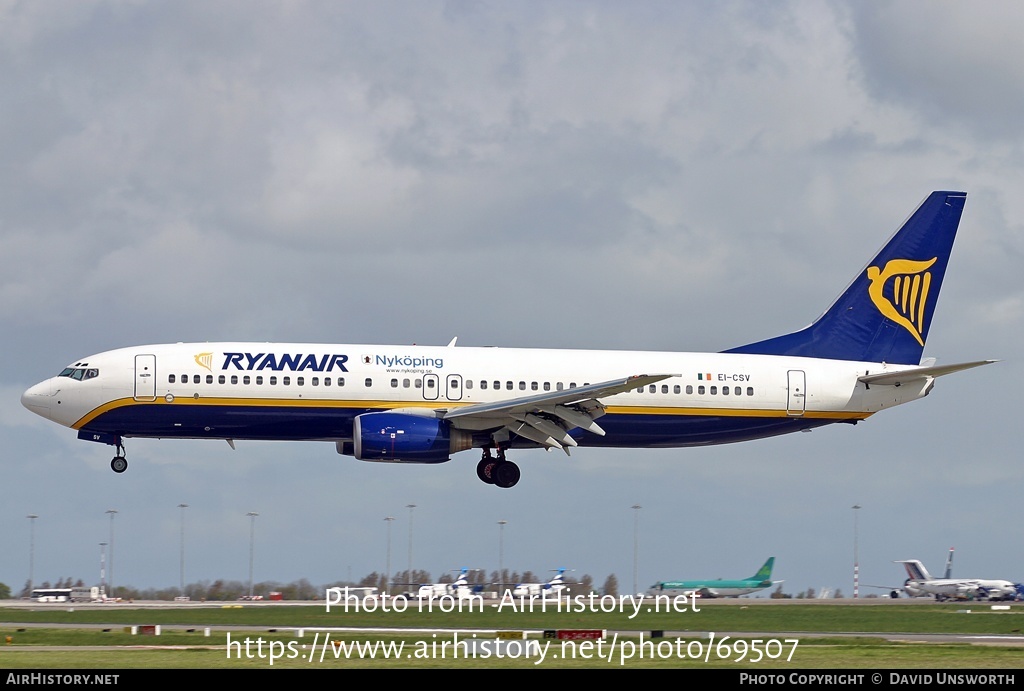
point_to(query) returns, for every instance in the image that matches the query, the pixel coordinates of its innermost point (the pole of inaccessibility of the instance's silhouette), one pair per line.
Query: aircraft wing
(546, 418)
(908, 375)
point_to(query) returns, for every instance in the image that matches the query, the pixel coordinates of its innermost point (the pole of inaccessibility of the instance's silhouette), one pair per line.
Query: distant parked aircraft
(919, 582)
(719, 587)
(459, 588)
(549, 588)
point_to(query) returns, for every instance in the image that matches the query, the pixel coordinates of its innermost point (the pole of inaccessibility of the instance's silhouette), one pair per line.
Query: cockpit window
(80, 373)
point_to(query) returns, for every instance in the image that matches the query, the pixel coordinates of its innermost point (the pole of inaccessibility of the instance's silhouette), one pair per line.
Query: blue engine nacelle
(401, 438)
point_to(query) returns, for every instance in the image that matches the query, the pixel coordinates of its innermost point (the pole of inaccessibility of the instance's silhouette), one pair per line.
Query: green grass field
(740, 636)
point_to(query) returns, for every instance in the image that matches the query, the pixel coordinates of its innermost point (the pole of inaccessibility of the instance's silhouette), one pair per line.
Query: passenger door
(145, 377)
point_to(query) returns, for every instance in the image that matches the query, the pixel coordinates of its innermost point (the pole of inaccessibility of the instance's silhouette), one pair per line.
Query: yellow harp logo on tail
(911, 282)
(205, 360)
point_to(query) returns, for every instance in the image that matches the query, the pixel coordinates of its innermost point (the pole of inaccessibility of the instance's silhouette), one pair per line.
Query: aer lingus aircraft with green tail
(719, 587)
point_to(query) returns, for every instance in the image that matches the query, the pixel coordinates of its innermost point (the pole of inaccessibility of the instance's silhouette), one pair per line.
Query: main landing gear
(119, 463)
(497, 471)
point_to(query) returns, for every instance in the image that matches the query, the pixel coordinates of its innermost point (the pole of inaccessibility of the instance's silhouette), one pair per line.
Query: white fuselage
(458, 591)
(548, 590)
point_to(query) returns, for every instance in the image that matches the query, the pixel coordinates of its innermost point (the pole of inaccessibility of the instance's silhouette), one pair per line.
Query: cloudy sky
(630, 176)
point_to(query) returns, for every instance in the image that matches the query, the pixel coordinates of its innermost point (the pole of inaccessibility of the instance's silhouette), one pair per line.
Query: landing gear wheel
(506, 474)
(119, 464)
(485, 470)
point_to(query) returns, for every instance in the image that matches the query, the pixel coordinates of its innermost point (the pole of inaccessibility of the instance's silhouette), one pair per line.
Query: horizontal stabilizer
(905, 376)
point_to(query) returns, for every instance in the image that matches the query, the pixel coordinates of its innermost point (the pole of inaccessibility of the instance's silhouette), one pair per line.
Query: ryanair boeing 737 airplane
(416, 404)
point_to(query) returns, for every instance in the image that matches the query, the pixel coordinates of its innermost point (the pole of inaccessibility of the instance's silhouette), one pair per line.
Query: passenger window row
(701, 390)
(484, 384)
(258, 380)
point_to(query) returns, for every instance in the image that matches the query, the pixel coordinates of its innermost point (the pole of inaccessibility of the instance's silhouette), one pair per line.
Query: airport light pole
(501, 556)
(103, 570)
(410, 507)
(110, 576)
(387, 571)
(31, 549)
(636, 534)
(856, 557)
(252, 540)
(182, 550)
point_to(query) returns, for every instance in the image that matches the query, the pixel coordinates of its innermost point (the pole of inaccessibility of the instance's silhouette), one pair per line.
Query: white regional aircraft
(459, 589)
(550, 588)
(417, 404)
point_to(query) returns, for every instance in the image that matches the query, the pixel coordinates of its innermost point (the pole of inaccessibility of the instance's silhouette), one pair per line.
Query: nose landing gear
(119, 463)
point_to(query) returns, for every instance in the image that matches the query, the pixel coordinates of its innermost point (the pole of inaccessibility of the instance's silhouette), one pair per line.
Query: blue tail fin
(884, 315)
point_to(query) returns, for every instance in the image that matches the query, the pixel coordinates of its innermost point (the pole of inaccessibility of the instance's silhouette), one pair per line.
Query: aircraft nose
(37, 399)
